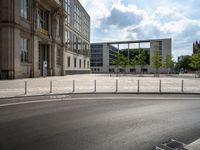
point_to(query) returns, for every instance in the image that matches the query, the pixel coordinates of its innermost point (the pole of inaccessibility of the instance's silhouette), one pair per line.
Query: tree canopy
(168, 63)
(195, 61)
(156, 59)
(184, 63)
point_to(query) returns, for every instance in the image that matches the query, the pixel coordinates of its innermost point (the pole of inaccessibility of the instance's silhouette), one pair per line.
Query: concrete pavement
(104, 83)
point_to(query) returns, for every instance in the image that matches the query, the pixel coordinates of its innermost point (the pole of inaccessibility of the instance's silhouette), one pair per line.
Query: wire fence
(111, 85)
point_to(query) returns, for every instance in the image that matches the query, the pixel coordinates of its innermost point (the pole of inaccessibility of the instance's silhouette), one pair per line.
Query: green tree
(168, 63)
(133, 62)
(195, 63)
(120, 61)
(156, 60)
(135, 52)
(184, 63)
(140, 59)
(124, 62)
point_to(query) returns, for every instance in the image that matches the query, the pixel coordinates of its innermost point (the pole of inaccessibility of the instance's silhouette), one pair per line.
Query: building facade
(196, 47)
(40, 37)
(102, 55)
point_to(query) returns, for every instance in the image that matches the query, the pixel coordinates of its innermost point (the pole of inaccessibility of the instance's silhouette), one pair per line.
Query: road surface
(98, 122)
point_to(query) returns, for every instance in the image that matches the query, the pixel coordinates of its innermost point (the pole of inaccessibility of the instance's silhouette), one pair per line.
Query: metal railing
(95, 88)
(109, 85)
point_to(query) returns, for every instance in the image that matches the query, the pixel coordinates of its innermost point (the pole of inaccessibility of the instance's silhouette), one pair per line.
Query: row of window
(95, 70)
(75, 63)
(96, 50)
(79, 46)
(68, 12)
(100, 46)
(97, 55)
(96, 64)
(81, 22)
(111, 70)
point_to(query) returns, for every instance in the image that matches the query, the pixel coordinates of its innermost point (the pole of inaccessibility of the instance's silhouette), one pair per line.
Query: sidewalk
(104, 83)
(193, 146)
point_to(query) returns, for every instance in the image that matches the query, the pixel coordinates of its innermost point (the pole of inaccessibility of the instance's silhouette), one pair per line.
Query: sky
(119, 20)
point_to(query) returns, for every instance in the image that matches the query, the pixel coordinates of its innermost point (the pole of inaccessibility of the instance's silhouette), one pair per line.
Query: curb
(96, 93)
(194, 145)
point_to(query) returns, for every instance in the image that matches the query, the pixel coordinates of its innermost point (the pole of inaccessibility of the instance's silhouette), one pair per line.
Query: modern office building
(40, 37)
(102, 54)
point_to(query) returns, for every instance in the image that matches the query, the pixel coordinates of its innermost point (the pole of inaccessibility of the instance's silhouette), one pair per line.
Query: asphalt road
(106, 123)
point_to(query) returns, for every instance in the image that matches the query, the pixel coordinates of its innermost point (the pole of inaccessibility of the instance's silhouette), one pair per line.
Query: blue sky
(118, 20)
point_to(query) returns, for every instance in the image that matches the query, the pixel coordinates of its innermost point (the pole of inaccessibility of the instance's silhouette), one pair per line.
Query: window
(133, 70)
(77, 18)
(80, 63)
(84, 63)
(75, 44)
(43, 19)
(58, 57)
(67, 11)
(58, 26)
(160, 47)
(79, 46)
(68, 61)
(24, 50)
(68, 40)
(75, 62)
(88, 63)
(24, 8)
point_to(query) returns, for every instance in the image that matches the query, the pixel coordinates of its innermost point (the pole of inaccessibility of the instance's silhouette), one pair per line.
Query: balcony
(55, 3)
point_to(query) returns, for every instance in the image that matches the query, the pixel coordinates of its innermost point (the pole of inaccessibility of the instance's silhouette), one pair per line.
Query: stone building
(196, 47)
(33, 32)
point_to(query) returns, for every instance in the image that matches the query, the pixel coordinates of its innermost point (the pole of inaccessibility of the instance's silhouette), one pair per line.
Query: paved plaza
(104, 83)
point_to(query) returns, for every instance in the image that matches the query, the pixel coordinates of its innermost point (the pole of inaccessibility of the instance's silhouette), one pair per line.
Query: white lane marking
(31, 102)
(139, 98)
(100, 98)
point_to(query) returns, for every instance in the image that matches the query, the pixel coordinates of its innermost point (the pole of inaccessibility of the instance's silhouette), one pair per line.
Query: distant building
(102, 55)
(196, 47)
(36, 31)
(180, 58)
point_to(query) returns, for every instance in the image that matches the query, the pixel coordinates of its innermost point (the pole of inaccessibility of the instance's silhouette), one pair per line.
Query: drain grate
(171, 145)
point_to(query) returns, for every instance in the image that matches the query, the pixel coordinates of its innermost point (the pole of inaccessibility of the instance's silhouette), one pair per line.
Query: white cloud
(113, 20)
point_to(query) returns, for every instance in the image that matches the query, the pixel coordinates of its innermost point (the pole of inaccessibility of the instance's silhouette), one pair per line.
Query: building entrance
(43, 58)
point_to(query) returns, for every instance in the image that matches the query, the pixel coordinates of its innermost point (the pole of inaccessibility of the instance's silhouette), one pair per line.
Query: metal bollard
(95, 85)
(182, 86)
(26, 88)
(51, 86)
(73, 86)
(160, 86)
(138, 86)
(116, 85)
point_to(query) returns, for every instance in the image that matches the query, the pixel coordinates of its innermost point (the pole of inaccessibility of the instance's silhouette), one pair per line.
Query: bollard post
(116, 85)
(26, 90)
(160, 86)
(138, 86)
(182, 84)
(73, 86)
(51, 87)
(95, 85)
